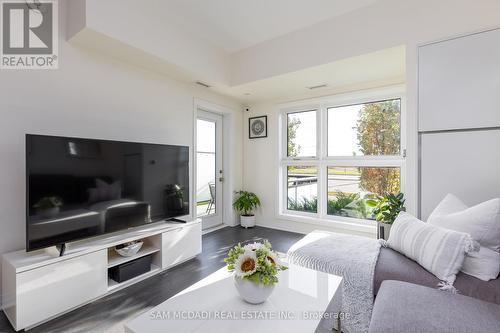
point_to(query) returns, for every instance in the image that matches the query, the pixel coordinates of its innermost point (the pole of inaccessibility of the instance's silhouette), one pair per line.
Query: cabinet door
(53, 289)
(458, 82)
(180, 244)
(462, 163)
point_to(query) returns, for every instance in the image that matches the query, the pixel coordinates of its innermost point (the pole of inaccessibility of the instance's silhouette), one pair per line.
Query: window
(301, 134)
(350, 187)
(365, 129)
(338, 155)
(302, 188)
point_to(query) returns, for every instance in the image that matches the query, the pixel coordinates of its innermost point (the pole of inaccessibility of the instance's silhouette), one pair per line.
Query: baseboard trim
(270, 226)
(313, 227)
(218, 227)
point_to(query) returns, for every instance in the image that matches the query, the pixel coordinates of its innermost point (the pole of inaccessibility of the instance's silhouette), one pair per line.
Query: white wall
(91, 96)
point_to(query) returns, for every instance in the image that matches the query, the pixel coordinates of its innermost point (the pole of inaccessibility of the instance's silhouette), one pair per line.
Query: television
(79, 188)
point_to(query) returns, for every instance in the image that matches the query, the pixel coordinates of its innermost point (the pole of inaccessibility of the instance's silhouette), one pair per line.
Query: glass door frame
(215, 219)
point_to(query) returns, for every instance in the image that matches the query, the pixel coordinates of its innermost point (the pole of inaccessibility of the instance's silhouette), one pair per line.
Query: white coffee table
(298, 304)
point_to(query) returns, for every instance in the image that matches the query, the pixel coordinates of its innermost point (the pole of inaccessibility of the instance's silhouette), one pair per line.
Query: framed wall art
(257, 127)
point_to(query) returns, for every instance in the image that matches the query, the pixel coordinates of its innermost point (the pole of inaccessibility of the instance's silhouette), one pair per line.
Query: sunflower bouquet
(256, 262)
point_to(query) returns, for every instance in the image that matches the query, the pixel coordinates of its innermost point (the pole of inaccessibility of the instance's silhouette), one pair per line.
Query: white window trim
(322, 160)
(284, 139)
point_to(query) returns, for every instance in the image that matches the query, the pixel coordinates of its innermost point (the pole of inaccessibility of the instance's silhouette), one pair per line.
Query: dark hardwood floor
(110, 313)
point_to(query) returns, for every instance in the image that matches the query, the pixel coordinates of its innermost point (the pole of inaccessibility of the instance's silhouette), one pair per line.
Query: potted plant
(386, 209)
(48, 207)
(255, 267)
(245, 204)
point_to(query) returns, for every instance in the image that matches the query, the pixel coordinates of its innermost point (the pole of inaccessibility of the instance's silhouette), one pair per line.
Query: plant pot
(252, 292)
(47, 212)
(383, 230)
(247, 221)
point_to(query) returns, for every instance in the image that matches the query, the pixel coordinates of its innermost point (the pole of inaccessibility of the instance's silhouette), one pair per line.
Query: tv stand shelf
(39, 286)
(114, 286)
(115, 259)
(151, 245)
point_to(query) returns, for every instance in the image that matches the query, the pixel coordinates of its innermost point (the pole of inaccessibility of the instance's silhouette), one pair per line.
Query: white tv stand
(39, 286)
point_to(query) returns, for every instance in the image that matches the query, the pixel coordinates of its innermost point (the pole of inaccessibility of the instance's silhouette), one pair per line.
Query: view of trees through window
(364, 130)
(350, 187)
(301, 135)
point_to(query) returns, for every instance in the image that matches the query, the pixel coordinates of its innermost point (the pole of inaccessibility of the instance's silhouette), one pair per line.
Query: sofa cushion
(392, 265)
(441, 251)
(482, 222)
(485, 264)
(404, 307)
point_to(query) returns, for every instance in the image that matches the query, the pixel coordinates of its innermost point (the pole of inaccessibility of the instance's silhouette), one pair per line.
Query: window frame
(322, 161)
(284, 146)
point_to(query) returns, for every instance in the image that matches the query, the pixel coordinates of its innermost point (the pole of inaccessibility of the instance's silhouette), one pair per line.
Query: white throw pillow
(482, 222)
(484, 265)
(440, 251)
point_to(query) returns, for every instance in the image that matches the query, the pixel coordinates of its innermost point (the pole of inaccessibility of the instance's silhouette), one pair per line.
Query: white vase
(247, 221)
(252, 292)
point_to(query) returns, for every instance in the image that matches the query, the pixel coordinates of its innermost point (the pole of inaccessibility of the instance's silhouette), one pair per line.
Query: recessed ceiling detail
(185, 49)
(380, 68)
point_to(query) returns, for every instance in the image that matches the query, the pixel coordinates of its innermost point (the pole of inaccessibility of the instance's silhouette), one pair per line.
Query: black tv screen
(79, 188)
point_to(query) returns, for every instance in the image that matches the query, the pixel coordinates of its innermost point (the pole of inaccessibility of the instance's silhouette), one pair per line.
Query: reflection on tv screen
(80, 188)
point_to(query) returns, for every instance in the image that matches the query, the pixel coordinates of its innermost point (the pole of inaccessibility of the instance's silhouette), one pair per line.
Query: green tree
(293, 148)
(379, 133)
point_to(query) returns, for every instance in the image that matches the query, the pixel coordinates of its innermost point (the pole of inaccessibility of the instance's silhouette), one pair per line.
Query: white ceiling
(385, 67)
(238, 24)
(235, 24)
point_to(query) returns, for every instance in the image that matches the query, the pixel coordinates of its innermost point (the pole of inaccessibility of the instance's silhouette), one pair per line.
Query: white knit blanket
(352, 257)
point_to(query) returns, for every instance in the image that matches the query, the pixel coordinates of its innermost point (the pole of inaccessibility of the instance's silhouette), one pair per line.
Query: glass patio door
(209, 175)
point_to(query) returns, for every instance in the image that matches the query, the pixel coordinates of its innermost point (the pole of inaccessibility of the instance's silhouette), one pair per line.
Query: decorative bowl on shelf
(129, 249)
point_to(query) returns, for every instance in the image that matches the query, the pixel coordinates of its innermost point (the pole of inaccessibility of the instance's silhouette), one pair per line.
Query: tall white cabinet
(459, 119)
(39, 286)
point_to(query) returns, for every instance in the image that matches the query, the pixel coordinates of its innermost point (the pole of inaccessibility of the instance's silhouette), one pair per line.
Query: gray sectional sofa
(407, 300)
(405, 307)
